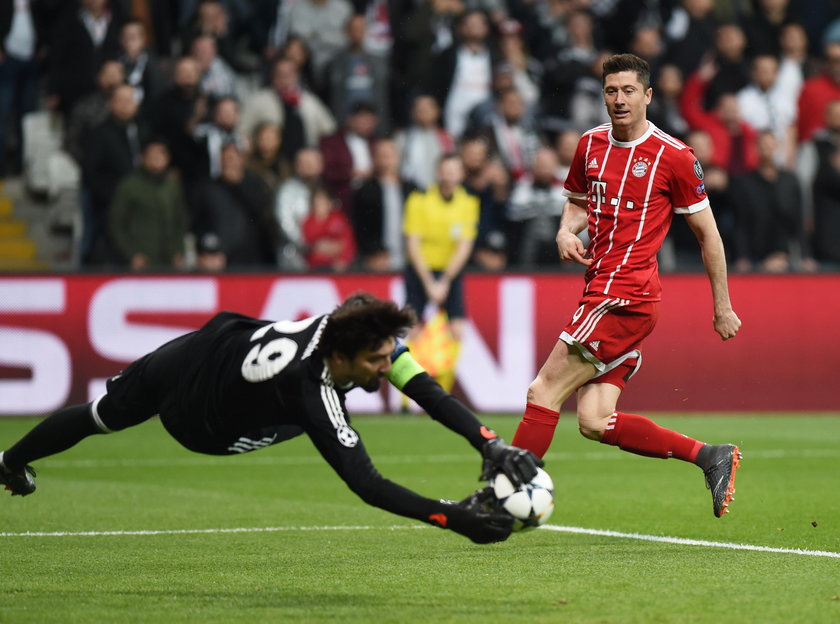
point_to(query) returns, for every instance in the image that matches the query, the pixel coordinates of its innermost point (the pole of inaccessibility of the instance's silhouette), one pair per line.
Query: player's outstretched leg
(719, 463)
(18, 482)
(52, 435)
(640, 435)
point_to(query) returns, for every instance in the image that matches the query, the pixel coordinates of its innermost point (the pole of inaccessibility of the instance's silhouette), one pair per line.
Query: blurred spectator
(302, 116)
(378, 211)
(327, 233)
(817, 92)
(210, 256)
(487, 179)
(265, 158)
(460, 76)
(211, 19)
(482, 113)
(682, 243)
(22, 42)
(547, 26)
(509, 137)
(426, 31)
(794, 51)
(733, 139)
(159, 19)
(291, 206)
(527, 71)
(647, 44)
(296, 50)
(664, 107)
(733, 68)
(440, 228)
(565, 146)
(823, 176)
(587, 99)
(347, 154)
(690, 33)
(82, 41)
(423, 142)
(176, 114)
(237, 208)
(769, 103)
(768, 212)
(564, 68)
(321, 23)
(148, 215)
(381, 18)
(356, 76)
(216, 76)
(763, 26)
(92, 109)
(534, 210)
(142, 69)
(111, 151)
(214, 135)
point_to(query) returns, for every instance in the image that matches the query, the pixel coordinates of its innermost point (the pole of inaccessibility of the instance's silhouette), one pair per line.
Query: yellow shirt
(440, 224)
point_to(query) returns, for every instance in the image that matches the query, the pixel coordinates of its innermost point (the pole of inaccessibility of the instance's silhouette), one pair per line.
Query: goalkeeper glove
(475, 518)
(519, 465)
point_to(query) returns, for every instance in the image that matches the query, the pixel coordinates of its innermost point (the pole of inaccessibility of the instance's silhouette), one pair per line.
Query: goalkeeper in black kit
(239, 384)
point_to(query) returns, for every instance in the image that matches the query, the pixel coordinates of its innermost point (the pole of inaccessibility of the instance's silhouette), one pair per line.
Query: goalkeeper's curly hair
(363, 321)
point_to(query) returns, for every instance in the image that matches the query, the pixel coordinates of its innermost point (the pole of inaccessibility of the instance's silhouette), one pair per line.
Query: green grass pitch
(154, 552)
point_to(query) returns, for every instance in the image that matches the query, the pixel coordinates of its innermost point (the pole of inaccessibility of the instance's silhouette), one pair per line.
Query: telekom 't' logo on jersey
(598, 195)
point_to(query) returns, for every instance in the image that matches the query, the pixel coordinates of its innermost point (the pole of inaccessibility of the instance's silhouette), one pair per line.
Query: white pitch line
(683, 541)
(206, 531)
(549, 527)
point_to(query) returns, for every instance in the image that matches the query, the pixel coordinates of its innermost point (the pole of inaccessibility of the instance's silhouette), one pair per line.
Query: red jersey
(633, 190)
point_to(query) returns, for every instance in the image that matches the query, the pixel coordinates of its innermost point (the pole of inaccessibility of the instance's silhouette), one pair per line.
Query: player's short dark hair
(627, 62)
(363, 321)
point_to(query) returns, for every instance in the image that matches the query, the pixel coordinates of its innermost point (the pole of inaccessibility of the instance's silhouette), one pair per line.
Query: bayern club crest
(640, 167)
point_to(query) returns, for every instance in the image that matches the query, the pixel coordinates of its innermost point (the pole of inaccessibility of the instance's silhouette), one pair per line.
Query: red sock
(642, 436)
(536, 429)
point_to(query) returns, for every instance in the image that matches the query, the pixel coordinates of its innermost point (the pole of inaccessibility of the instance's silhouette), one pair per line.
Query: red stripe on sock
(536, 429)
(640, 435)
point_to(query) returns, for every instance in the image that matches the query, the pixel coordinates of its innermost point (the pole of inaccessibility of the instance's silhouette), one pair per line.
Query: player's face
(367, 368)
(626, 100)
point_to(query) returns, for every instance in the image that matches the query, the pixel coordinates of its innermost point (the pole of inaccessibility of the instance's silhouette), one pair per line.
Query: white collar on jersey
(641, 139)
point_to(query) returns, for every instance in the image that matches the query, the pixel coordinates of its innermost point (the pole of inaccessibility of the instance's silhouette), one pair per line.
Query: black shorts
(415, 294)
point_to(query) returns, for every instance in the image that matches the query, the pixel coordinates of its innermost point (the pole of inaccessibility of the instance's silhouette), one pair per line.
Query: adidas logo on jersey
(595, 344)
(593, 164)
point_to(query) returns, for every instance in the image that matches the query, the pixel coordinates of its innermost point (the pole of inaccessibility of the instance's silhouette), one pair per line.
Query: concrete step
(22, 265)
(12, 228)
(18, 249)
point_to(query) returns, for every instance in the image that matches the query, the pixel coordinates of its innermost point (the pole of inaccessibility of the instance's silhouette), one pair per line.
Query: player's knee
(539, 392)
(591, 424)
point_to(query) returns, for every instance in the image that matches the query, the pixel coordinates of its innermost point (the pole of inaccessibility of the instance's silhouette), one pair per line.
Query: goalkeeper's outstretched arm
(409, 377)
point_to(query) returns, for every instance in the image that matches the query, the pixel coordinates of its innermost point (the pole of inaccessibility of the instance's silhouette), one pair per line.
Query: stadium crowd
(213, 134)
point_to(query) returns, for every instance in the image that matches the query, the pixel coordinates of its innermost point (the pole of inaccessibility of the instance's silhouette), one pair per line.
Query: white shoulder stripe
(667, 138)
(316, 338)
(602, 128)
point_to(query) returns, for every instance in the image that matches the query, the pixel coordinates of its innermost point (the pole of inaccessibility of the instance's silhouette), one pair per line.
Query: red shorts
(608, 332)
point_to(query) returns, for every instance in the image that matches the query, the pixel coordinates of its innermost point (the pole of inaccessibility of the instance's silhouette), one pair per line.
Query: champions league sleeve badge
(698, 170)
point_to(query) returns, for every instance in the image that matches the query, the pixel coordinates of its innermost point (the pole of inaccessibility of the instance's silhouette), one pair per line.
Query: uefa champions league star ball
(531, 504)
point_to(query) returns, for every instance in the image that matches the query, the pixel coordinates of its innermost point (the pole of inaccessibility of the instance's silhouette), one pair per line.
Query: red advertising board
(62, 336)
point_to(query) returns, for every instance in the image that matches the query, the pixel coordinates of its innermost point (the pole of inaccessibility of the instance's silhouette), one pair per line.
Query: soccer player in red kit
(626, 181)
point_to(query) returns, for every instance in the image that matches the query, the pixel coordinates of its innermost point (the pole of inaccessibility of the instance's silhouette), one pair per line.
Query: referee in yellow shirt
(440, 227)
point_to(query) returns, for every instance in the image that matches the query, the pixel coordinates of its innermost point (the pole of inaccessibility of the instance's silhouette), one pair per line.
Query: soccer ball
(531, 504)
